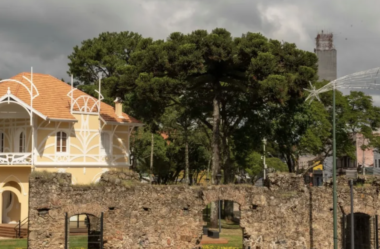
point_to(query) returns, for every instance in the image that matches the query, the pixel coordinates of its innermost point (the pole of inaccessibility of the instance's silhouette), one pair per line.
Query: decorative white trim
(15, 158)
(84, 104)
(10, 98)
(6, 180)
(30, 91)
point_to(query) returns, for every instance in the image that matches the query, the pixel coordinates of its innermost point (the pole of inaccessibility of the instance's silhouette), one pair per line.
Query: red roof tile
(53, 101)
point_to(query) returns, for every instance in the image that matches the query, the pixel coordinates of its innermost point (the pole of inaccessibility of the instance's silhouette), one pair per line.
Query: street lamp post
(314, 94)
(334, 177)
(265, 165)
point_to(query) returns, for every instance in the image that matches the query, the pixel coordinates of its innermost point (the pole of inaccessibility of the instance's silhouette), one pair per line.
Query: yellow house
(47, 125)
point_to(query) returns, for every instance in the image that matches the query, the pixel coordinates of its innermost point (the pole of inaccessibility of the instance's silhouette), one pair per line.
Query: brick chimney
(118, 107)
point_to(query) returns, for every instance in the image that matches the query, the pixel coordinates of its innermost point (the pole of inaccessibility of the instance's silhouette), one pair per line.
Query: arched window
(61, 142)
(1, 142)
(21, 142)
(105, 144)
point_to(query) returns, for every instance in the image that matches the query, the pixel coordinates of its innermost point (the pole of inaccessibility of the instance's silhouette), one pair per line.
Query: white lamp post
(362, 80)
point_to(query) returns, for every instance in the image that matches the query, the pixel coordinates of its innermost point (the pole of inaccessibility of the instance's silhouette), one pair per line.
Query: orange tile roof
(53, 101)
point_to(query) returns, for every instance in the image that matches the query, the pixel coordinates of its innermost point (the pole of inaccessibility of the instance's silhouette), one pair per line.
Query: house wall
(84, 143)
(365, 156)
(80, 175)
(82, 160)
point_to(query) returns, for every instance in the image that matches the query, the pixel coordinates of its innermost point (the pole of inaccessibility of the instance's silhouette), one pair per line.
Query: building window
(1, 142)
(105, 145)
(375, 163)
(21, 143)
(61, 142)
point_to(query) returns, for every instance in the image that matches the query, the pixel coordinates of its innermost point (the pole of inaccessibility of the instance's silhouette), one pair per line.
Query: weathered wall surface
(287, 214)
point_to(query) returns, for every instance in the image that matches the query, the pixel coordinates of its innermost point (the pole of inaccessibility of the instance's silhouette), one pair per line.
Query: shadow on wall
(11, 209)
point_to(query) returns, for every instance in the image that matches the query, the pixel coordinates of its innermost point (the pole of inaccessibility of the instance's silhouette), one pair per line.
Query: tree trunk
(216, 136)
(215, 169)
(229, 176)
(289, 162)
(187, 161)
(214, 215)
(151, 159)
(228, 210)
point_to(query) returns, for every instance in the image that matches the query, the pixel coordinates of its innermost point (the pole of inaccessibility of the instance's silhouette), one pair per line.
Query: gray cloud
(42, 33)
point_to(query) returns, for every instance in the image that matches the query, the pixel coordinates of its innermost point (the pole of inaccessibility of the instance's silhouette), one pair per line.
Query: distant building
(326, 53)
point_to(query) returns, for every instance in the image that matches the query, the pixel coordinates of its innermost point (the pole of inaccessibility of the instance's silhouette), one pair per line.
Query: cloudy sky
(42, 33)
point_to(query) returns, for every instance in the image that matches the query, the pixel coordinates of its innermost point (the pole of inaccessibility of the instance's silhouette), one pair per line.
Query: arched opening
(363, 231)
(11, 209)
(13, 184)
(222, 216)
(84, 231)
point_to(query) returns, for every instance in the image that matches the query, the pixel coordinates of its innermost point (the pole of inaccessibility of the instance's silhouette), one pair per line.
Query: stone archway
(239, 198)
(85, 231)
(231, 232)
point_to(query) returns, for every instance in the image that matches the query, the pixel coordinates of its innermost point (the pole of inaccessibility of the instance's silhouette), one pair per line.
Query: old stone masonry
(285, 214)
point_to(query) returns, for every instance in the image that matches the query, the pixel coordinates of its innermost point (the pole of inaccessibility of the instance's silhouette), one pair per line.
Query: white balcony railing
(10, 158)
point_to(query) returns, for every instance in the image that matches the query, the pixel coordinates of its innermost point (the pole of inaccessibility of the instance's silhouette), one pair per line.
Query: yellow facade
(85, 146)
(318, 166)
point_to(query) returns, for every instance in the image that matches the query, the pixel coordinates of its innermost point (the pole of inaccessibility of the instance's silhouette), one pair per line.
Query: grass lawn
(230, 231)
(76, 242)
(13, 244)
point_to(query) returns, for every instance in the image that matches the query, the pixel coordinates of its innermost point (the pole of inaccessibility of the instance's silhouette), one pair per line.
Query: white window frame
(102, 150)
(67, 142)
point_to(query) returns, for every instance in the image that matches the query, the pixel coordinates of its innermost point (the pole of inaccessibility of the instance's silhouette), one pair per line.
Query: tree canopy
(217, 96)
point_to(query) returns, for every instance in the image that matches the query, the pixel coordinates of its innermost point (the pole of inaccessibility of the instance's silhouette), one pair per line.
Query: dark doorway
(85, 231)
(362, 231)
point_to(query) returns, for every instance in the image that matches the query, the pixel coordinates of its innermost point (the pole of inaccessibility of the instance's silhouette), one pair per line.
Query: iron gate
(89, 234)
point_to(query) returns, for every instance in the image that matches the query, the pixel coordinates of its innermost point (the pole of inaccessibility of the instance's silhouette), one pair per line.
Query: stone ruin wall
(286, 214)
